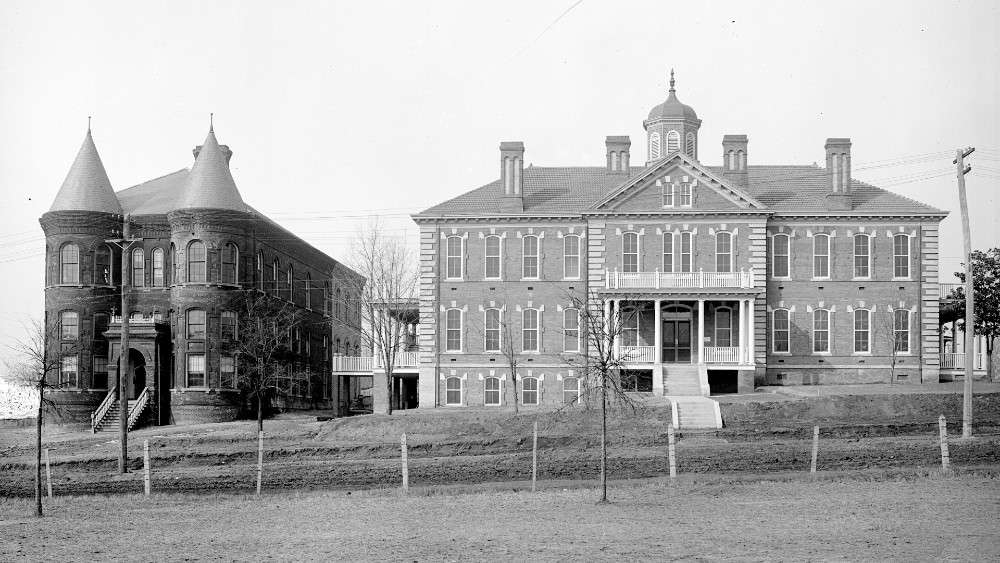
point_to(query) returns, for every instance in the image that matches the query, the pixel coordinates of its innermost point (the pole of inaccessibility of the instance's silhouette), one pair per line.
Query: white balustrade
(677, 280)
(638, 354)
(403, 360)
(956, 360)
(361, 364)
(722, 354)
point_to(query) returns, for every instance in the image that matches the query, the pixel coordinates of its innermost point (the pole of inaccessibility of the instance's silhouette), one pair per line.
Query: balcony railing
(403, 360)
(677, 280)
(722, 354)
(954, 360)
(362, 364)
(637, 354)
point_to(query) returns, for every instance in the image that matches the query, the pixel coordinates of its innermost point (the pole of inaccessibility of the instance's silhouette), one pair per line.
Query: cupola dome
(672, 108)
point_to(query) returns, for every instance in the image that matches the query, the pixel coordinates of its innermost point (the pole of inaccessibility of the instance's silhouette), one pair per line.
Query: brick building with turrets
(199, 245)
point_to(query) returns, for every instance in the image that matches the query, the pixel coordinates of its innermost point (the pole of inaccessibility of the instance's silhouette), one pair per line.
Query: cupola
(671, 127)
(210, 184)
(87, 187)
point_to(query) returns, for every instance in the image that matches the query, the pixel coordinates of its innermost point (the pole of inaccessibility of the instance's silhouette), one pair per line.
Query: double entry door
(676, 340)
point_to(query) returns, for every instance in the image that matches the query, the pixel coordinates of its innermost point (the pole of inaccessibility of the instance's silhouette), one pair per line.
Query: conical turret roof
(87, 187)
(210, 183)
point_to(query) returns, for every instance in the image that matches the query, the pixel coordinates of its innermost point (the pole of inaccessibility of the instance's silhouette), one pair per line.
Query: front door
(676, 341)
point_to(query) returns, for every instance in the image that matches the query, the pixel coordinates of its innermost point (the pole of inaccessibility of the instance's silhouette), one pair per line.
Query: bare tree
(885, 331)
(37, 365)
(262, 347)
(379, 296)
(510, 347)
(600, 326)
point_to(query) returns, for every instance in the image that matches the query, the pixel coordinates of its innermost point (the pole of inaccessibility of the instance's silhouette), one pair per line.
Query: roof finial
(211, 123)
(88, 124)
(671, 80)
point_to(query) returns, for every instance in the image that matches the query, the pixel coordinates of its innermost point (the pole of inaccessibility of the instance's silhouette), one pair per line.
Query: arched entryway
(137, 373)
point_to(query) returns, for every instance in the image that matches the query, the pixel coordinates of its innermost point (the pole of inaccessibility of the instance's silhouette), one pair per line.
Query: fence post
(812, 466)
(534, 457)
(145, 466)
(671, 454)
(943, 428)
(48, 473)
(260, 459)
(406, 469)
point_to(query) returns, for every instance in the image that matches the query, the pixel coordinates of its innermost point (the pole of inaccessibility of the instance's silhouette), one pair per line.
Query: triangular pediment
(688, 186)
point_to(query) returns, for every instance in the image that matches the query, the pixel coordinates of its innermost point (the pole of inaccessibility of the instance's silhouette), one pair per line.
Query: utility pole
(970, 309)
(125, 243)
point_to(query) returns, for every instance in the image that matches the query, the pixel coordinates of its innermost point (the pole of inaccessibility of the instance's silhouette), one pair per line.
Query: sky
(341, 112)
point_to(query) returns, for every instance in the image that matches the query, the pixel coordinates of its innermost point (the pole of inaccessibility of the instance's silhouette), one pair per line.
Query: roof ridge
(144, 182)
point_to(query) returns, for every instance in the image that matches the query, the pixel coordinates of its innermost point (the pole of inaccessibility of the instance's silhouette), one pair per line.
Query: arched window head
(821, 330)
(492, 391)
(230, 263)
(723, 252)
(529, 391)
(159, 277)
(673, 142)
(453, 391)
(69, 263)
(654, 145)
(780, 331)
(260, 271)
(309, 290)
(689, 145)
(197, 260)
(138, 268)
(630, 252)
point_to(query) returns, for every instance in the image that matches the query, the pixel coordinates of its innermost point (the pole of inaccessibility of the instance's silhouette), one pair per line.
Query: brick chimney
(734, 159)
(838, 174)
(617, 153)
(511, 176)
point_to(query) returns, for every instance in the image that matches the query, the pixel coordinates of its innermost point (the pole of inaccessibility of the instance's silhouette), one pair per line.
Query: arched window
(529, 391)
(175, 276)
(337, 304)
(742, 156)
(260, 271)
(732, 160)
(630, 252)
(491, 396)
(196, 262)
(230, 263)
(571, 257)
(326, 298)
(779, 256)
(309, 290)
(901, 330)
(290, 282)
(571, 330)
(69, 263)
(492, 323)
(654, 145)
(862, 255)
(138, 268)
(453, 248)
(159, 279)
(529, 330)
(453, 330)
(780, 331)
(685, 252)
(667, 263)
(862, 331)
(492, 257)
(102, 266)
(276, 277)
(336, 347)
(723, 327)
(723, 252)
(69, 325)
(529, 257)
(821, 330)
(453, 391)
(571, 390)
(196, 324)
(821, 256)
(673, 142)
(901, 256)
(689, 145)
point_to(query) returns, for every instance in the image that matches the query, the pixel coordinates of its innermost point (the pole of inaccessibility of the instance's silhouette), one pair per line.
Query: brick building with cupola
(738, 275)
(199, 244)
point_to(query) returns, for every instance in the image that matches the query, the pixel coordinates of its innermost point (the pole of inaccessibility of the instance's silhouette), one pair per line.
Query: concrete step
(694, 412)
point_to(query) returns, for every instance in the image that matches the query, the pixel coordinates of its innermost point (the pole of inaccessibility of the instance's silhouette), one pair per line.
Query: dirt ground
(928, 518)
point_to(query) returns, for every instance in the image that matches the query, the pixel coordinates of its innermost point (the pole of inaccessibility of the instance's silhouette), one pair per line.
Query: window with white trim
(723, 327)
(197, 259)
(780, 256)
(491, 394)
(529, 257)
(69, 370)
(195, 370)
(69, 325)
(901, 256)
(196, 323)
(630, 252)
(529, 330)
(673, 142)
(453, 250)
(571, 256)
(630, 326)
(821, 330)
(723, 252)
(571, 330)
(453, 391)
(69, 263)
(571, 390)
(780, 330)
(667, 194)
(529, 391)
(901, 330)
(821, 256)
(453, 330)
(492, 257)
(862, 331)
(685, 198)
(668, 252)
(862, 255)
(492, 324)
(157, 264)
(685, 252)
(138, 268)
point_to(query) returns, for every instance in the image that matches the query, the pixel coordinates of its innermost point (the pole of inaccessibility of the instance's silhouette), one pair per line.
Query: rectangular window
(668, 194)
(492, 395)
(227, 324)
(668, 252)
(196, 323)
(571, 390)
(492, 330)
(70, 325)
(227, 372)
(529, 330)
(685, 252)
(630, 252)
(529, 260)
(685, 199)
(529, 391)
(862, 256)
(571, 330)
(901, 256)
(821, 330)
(724, 327)
(862, 331)
(780, 331)
(100, 372)
(493, 257)
(196, 370)
(69, 372)
(453, 330)
(780, 255)
(901, 330)
(571, 257)
(630, 327)
(158, 278)
(723, 252)
(454, 258)
(821, 256)
(138, 268)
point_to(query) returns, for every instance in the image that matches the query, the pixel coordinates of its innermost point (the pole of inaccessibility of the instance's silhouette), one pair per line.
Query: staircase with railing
(109, 411)
(103, 415)
(138, 408)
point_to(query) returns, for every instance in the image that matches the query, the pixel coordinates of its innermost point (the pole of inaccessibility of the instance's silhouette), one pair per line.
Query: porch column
(657, 334)
(742, 325)
(607, 323)
(616, 324)
(701, 331)
(751, 342)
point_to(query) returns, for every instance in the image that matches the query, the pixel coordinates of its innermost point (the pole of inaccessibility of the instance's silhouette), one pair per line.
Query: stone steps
(696, 412)
(681, 380)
